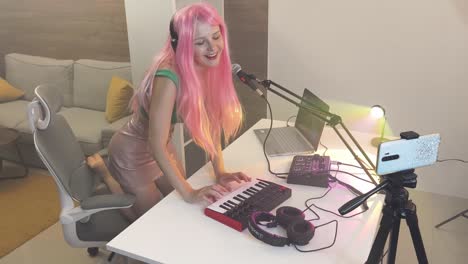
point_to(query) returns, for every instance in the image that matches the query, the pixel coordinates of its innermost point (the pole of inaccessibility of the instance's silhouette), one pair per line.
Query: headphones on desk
(299, 231)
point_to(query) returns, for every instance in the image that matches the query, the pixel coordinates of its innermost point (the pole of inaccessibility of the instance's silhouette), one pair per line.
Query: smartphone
(405, 154)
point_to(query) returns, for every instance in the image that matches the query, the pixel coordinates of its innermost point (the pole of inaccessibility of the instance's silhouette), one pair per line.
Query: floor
(447, 244)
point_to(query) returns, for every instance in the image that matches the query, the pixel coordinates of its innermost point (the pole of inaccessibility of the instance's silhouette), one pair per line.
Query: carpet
(28, 206)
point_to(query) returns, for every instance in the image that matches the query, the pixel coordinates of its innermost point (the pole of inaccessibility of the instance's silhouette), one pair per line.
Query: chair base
(93, 251)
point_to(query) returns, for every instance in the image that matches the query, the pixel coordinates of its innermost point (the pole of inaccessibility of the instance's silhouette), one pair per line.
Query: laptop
(303, 138)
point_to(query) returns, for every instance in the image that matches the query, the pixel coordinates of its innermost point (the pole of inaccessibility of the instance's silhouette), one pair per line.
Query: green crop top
(173, 77)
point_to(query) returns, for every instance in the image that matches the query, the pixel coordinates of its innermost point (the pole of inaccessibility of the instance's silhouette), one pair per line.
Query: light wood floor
(448, 244)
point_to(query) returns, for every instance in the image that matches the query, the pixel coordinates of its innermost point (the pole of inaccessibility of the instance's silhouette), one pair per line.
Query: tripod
(397, 206)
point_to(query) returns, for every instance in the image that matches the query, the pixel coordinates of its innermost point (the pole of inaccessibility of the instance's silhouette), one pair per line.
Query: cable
(383, 256)
(329, 246)
(326, 148)
(287, 121)
(313, 198)
(277, 174)
(349, 173)
(460, 160)
(308, 207)
(355, 166)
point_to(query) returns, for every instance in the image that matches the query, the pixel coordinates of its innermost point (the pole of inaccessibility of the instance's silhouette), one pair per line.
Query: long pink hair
(207, 112)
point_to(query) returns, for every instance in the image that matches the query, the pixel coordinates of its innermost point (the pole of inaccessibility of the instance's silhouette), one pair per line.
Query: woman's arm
(223, 177)
(218, 162)
(162, 102)
(161, 105)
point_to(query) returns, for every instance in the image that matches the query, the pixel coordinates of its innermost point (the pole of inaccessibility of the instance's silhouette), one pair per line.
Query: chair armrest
(108, 201)
(96, 204)
(108, 131)
(103, 152)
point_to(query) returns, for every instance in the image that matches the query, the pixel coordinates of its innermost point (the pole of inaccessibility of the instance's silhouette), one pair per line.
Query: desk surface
(174, 231)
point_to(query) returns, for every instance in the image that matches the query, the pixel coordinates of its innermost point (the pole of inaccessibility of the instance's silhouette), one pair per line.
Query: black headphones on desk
(299, 231)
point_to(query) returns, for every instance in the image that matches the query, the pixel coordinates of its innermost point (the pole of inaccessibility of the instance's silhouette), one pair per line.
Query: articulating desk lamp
(378, 112)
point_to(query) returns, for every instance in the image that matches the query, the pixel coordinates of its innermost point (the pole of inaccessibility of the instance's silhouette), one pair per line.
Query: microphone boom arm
(329, 118)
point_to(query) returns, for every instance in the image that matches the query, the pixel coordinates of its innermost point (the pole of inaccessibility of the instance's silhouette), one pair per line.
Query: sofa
(84, 85)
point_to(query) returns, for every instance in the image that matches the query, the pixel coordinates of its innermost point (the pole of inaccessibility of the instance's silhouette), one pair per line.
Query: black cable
(444, 160)
(349, 173)
(326, 149)
(308, 207)
(383, 256)
(314, 198)
(352, 165)
(329, 246)
(277, 174)
(287, 121)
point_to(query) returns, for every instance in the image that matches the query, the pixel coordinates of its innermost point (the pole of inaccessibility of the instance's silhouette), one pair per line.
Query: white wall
(218, 4)
(148, 28)
(411, 56)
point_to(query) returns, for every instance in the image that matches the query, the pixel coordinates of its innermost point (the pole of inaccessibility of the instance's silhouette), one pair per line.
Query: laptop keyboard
(287, 141)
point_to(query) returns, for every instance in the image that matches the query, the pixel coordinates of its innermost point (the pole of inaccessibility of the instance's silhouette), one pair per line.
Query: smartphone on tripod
(404, 154)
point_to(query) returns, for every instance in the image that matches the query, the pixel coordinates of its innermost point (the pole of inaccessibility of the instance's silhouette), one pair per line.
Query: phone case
(405, 154)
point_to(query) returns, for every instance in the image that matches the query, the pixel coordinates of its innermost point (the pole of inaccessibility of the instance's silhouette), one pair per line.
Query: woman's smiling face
(208, 45)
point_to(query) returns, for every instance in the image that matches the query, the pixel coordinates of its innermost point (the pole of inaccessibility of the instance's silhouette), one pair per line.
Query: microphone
(246, 78)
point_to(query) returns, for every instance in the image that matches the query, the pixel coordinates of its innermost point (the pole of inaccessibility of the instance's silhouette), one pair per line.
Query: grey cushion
(107, 201)
(86, 125)
(92, 79)
(103, 226)
(58, 146)
(26, 72)
(13, 113)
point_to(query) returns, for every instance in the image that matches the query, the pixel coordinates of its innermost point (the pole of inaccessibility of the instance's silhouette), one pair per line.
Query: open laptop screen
(309, 125)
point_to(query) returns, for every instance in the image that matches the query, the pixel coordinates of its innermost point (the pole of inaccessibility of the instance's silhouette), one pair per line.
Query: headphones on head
(298, 230)
(174, 36)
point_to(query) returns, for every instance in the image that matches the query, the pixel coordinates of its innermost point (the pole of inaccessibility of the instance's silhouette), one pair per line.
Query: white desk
(174, 231)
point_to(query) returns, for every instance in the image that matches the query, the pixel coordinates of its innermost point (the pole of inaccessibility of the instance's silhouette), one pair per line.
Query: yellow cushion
(118, 97)
(8, 92)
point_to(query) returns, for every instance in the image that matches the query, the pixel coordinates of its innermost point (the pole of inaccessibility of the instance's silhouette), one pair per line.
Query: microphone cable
(459, 160)
(282, 175)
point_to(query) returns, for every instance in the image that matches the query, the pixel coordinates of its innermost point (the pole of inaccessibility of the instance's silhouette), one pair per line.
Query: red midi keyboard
(234, 209)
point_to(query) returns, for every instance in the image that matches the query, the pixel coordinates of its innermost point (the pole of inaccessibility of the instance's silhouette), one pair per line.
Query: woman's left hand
(225, 178)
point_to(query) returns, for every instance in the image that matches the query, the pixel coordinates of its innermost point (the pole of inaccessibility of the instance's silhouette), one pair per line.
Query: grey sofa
(83, 84)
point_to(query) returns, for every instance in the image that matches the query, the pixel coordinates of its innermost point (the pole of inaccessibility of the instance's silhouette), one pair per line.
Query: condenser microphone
(245, 78)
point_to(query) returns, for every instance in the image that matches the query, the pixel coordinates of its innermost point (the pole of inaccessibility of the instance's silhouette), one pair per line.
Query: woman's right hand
(210, 193)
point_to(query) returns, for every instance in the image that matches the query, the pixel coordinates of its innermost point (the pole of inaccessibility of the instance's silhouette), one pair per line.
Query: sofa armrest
(109, 130)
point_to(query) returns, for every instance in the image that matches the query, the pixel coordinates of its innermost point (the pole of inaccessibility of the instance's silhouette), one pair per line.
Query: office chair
(96, 218)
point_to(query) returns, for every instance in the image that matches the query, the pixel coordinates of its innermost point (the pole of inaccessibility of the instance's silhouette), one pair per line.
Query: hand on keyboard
(226, 178)
(210, 193)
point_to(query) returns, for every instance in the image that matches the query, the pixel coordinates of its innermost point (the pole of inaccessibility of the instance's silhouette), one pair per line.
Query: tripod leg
(453, 218)
(412, 221)
(386, 224)
(394, 241)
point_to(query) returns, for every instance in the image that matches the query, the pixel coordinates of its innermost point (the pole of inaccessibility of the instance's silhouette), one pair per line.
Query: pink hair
(206, 111)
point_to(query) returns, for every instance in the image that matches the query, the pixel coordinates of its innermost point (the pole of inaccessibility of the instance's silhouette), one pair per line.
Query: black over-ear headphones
(174, 36)
(299, 231)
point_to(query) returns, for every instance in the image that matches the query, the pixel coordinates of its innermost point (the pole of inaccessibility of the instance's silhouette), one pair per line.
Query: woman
(190, 80)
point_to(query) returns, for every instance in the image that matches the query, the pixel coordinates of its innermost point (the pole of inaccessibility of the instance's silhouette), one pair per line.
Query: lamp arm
(383, 128)
(329, 118)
